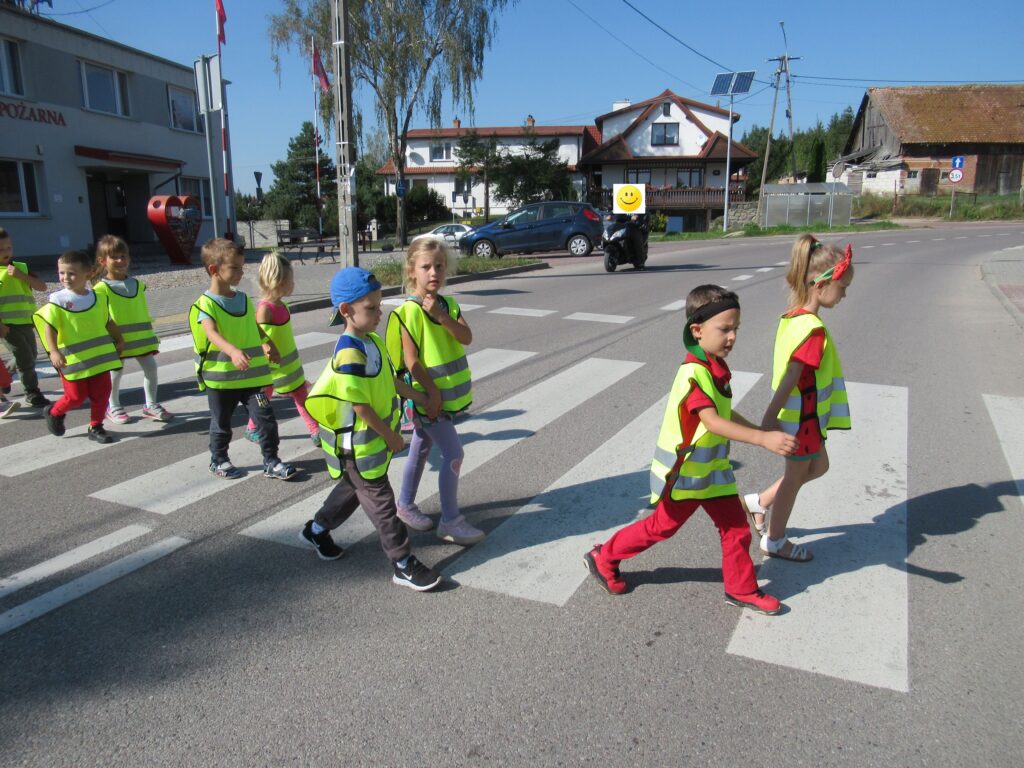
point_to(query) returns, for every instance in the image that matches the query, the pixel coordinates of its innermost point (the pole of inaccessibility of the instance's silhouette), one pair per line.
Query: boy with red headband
(691, 466)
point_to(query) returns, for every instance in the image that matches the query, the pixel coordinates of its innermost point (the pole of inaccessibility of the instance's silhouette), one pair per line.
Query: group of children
(354, 411)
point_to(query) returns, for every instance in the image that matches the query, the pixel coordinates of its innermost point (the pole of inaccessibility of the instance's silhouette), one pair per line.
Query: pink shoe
(117, 415)
(157, 413)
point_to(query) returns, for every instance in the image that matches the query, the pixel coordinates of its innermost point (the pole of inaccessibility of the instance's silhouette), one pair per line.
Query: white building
(89, 130)
(432, 160)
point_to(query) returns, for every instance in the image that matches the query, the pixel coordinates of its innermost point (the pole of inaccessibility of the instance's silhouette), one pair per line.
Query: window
(689, 177)
(911, 174)
(18, 190)
(106, 90)
(525, 216)
(872, 174)
(666, 109)
(10, 69)
(199, 188)
(463, 186)
(664, 134)
(184, 110)
(441, 151)
(638, 175)
(558, 211)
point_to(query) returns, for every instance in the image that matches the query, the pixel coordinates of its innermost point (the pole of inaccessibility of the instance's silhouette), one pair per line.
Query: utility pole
(344, 147)
(762, 210)
(786, 58)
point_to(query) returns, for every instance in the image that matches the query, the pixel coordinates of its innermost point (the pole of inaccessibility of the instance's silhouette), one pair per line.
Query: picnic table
(298, 242)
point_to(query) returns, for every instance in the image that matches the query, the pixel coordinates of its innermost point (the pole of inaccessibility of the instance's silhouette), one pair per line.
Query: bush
(658, 221)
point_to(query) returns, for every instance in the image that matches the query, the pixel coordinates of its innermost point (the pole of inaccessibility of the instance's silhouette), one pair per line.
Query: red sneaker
(608, 576)
(755, 601)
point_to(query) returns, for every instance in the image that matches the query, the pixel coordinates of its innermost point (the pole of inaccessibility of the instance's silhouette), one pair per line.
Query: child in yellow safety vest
(129, 309)
(233, 358)
(691, 466)
(810, 391)
(277, 280)
(83, 342)
(17, 305)
(428, 333)
(356, 404)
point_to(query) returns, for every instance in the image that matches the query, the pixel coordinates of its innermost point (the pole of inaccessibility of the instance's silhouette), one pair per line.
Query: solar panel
(742, 82)
(722, 83)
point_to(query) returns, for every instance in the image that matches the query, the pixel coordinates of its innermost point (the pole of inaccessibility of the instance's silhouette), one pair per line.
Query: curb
(173, 325)
(996, 279)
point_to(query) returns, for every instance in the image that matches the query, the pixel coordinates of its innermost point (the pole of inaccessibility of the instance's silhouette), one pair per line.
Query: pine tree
(293, 193)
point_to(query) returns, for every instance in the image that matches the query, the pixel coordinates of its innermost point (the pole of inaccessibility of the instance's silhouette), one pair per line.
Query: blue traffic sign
(400, 189)
(958, 162)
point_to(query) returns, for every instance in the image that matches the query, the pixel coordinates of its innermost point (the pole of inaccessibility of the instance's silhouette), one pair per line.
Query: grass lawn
(389, 272)
(752, 230)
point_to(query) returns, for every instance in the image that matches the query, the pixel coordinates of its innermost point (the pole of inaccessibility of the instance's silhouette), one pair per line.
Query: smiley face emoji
(628, 198)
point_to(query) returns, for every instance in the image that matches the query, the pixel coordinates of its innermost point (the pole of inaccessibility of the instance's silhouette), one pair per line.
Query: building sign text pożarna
(22, 111)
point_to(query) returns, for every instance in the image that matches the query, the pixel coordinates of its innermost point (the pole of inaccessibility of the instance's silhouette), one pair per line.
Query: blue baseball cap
(348, 285)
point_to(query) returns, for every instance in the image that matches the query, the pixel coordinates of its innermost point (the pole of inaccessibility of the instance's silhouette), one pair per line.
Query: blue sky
(566, 61)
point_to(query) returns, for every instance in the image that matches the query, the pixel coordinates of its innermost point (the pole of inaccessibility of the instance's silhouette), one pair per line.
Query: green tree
(479, 157)
(293, 193)
(247, 207)
(535, 173)
(816, 171)
(410, 54)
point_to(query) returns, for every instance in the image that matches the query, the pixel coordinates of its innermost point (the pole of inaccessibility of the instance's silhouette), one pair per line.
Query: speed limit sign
(956, 176)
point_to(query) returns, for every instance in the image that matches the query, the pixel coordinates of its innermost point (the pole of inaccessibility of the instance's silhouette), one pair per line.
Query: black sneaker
(54, 423)
(416, 575)
(278, 470)
(36, 400)
(325, 547)
(100, 435)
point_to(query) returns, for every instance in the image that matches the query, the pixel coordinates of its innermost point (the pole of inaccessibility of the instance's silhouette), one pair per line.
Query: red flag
(222, 18)
(318, 70)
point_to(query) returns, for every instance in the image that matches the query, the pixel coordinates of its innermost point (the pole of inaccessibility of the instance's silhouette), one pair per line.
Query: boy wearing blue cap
(356, 403)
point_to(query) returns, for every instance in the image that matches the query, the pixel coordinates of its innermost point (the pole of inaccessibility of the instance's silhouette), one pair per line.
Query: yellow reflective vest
(441, 355)
(704, 469)
(288, 374)
(16, 302)
(330, 404)
(833, 408)
(214, 368)
(131, 313)
(82, 338)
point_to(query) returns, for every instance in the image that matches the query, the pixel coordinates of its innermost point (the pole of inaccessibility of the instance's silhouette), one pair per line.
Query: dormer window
(441, 151)
(665, 134)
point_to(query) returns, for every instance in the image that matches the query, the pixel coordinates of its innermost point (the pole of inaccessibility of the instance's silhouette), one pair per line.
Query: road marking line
(537, 553)
(45, 450)
(617, 319)
(1007, 414)
(675, 306)
(1002, 234)
(848, 614)
(89, 582)
(961, 237)
(865, 247)
(172, 343)
(885, 244)
(469, 307)
(913, 241)
(984, 235)
(73, 557)
(937, 239)
(742, 277)
(520, 417)
(766, 269)
(783, 263)
(522, 312)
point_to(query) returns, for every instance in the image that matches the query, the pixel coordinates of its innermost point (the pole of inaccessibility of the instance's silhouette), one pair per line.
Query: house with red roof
(674, 145)
(903, 140)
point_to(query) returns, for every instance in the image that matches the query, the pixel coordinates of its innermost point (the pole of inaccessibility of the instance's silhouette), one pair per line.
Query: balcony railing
(678, 199)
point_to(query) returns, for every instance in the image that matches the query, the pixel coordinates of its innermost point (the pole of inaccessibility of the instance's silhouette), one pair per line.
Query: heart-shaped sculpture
(176, 221)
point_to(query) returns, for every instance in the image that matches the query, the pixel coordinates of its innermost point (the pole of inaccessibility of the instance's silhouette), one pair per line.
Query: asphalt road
(151, 617)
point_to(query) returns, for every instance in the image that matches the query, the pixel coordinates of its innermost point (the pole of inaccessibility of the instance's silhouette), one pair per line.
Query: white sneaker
(414, 518)
(7, 407)
(459, 531)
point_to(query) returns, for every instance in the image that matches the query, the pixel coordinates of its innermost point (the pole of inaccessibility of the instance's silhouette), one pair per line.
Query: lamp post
(259, 190)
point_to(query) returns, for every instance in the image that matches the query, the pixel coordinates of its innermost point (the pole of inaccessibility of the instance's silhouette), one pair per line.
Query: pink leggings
(298, 396)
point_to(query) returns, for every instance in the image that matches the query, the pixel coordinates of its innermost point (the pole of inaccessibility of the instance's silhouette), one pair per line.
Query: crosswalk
(535, 553)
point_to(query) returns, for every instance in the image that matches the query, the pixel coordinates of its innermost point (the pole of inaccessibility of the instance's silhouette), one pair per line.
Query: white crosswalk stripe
(531, 410)
(47, 450)
(1007, 414)
(848, 613)
(537, 553)
(596, 318)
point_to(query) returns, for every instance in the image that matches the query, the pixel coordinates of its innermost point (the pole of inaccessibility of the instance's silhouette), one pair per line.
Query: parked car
(448, 232)
(553, 225)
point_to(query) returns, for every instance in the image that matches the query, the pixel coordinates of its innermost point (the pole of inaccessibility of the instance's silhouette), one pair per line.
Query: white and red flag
(222, 19)
(318, 70)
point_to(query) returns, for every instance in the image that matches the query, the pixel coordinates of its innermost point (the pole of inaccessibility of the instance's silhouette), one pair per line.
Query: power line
(78, 13)
(910, 82)
(634, 50)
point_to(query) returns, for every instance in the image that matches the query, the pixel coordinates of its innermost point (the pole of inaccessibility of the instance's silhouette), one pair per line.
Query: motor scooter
(624, 240)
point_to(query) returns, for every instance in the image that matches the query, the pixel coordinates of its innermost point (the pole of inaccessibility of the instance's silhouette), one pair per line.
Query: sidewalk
(1005, 276)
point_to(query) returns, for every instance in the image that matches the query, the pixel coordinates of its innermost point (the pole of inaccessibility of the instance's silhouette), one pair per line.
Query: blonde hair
(426, 245)
(810, 257)
(274, 270)
(217, 250)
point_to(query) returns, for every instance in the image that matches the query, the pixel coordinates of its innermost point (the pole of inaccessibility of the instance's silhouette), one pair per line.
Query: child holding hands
(17, 306)
(428, 334)
(810, 391)
(691, 466)
(356, 403)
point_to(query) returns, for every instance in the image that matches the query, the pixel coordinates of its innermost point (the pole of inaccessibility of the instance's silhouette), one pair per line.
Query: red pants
(669, 516)
(95, 389)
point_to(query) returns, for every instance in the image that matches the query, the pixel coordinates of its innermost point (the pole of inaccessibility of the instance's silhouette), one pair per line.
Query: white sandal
(752, 504)
(785, 550)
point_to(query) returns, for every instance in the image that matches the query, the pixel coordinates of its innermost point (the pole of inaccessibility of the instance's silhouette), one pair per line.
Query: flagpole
(316, 132)
(225, 143)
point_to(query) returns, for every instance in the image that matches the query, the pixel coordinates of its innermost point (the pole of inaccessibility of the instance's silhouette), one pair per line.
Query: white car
(450, 232)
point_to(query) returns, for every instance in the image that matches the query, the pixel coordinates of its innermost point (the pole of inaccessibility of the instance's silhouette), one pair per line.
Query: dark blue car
(554, 225)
